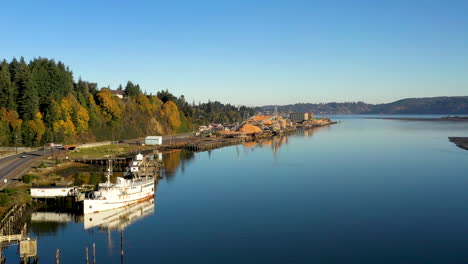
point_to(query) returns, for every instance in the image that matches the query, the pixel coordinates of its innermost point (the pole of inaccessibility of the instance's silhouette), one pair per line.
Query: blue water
(361, 191)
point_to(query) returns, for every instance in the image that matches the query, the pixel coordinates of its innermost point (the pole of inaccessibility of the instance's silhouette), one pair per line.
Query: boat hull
(93, 206)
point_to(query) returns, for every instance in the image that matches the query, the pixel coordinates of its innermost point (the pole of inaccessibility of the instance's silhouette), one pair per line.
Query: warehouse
(153, 140)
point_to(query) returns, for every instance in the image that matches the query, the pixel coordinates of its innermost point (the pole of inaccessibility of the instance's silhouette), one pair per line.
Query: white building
(50, 192)
(153, 140)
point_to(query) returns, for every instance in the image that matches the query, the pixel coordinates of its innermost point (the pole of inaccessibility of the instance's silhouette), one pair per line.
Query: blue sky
(252, 52)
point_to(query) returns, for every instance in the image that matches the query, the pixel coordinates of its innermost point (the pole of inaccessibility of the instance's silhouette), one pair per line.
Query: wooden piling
(94, 253)
(57, 256)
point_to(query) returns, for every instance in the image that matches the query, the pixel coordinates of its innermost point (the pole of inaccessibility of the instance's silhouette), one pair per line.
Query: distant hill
(431, 105)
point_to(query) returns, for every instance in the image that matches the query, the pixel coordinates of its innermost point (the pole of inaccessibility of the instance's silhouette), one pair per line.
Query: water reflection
(310, 131)
(116, 219)
(275, 143)
(175, 159)
(120, 218)
(50, 223)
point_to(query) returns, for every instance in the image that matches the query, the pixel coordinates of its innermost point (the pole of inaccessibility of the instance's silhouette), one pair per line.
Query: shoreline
(461, 142)
(433, 119)
(193, 143)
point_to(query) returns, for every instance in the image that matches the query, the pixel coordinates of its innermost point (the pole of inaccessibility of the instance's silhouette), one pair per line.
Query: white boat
(132, 188)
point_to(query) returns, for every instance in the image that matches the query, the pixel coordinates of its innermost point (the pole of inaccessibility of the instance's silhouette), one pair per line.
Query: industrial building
(153, 140)
(299, 117)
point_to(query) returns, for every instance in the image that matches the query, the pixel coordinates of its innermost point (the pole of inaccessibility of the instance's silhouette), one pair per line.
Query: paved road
(166, 139)
(11, 166)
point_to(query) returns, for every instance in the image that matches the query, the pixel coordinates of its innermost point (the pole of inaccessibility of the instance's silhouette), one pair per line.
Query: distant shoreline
(440, 119)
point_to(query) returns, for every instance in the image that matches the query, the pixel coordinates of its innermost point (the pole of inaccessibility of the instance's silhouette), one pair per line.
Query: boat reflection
(115, 219)
(120, 218)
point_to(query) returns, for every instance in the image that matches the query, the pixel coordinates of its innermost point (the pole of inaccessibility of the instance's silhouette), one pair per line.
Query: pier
(13, 231)
(214, 144)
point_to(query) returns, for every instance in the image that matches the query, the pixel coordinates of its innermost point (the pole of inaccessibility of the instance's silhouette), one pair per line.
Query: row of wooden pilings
(87, 260)
(10, 220)
(214, 144)
(57, 255)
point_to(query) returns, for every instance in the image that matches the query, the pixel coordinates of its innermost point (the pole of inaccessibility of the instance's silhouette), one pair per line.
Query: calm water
(362, 191)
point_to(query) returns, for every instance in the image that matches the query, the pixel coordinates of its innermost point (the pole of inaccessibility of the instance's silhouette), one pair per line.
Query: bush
(12, 196)
(3, 199)
(42, 165)
(28, 178)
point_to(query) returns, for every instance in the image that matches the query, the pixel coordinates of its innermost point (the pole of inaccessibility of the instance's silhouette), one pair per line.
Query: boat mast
(109, 172)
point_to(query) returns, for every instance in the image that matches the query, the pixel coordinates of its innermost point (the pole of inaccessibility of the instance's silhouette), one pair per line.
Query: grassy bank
(108, 150)
(65, 174)
(12, 196)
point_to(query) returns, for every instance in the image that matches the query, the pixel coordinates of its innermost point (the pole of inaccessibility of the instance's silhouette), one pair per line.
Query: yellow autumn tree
(109, 105)
(171, 112)
(37, 126)
(12, 117)
(144, 103)
(65, 128)
(82, 118)
(66, 106)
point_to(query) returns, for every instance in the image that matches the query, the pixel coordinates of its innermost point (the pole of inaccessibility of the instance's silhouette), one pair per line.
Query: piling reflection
(275, 143)
(309, 132)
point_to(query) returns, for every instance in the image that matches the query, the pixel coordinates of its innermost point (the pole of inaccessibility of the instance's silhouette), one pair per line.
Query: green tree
(132, 89)
(28, 100)
(165, 96)
(7, 90)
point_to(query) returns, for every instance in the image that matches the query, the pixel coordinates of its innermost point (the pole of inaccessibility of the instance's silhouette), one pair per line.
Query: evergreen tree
(7, 91)
(28, 100)
(165, 96)
(132, 89)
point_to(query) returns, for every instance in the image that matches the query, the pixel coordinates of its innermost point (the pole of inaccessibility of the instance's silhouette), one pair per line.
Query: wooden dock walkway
(214, 144)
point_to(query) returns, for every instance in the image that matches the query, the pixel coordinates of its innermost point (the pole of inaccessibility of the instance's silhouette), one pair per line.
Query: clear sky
(252, 52)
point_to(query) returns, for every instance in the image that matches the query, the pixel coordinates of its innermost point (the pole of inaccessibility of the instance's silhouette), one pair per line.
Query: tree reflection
(173, 160)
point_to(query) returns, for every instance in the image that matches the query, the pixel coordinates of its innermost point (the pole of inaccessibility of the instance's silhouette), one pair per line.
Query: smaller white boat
(132, 188)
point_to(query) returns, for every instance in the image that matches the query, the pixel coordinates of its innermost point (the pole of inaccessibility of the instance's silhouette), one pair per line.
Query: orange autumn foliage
(109, 105)
(171, 112)
(37, 126)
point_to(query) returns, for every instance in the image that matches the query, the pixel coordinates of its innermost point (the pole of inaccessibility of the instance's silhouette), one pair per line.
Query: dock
(214, 144)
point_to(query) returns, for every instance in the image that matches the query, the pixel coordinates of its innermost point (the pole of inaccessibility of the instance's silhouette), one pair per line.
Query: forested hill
(431, 105)
(40, 102)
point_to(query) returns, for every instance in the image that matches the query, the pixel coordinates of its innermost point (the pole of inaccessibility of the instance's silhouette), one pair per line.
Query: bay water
(361, 191)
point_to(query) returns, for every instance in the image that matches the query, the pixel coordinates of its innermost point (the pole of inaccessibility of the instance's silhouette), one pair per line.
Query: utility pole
(16, 142)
